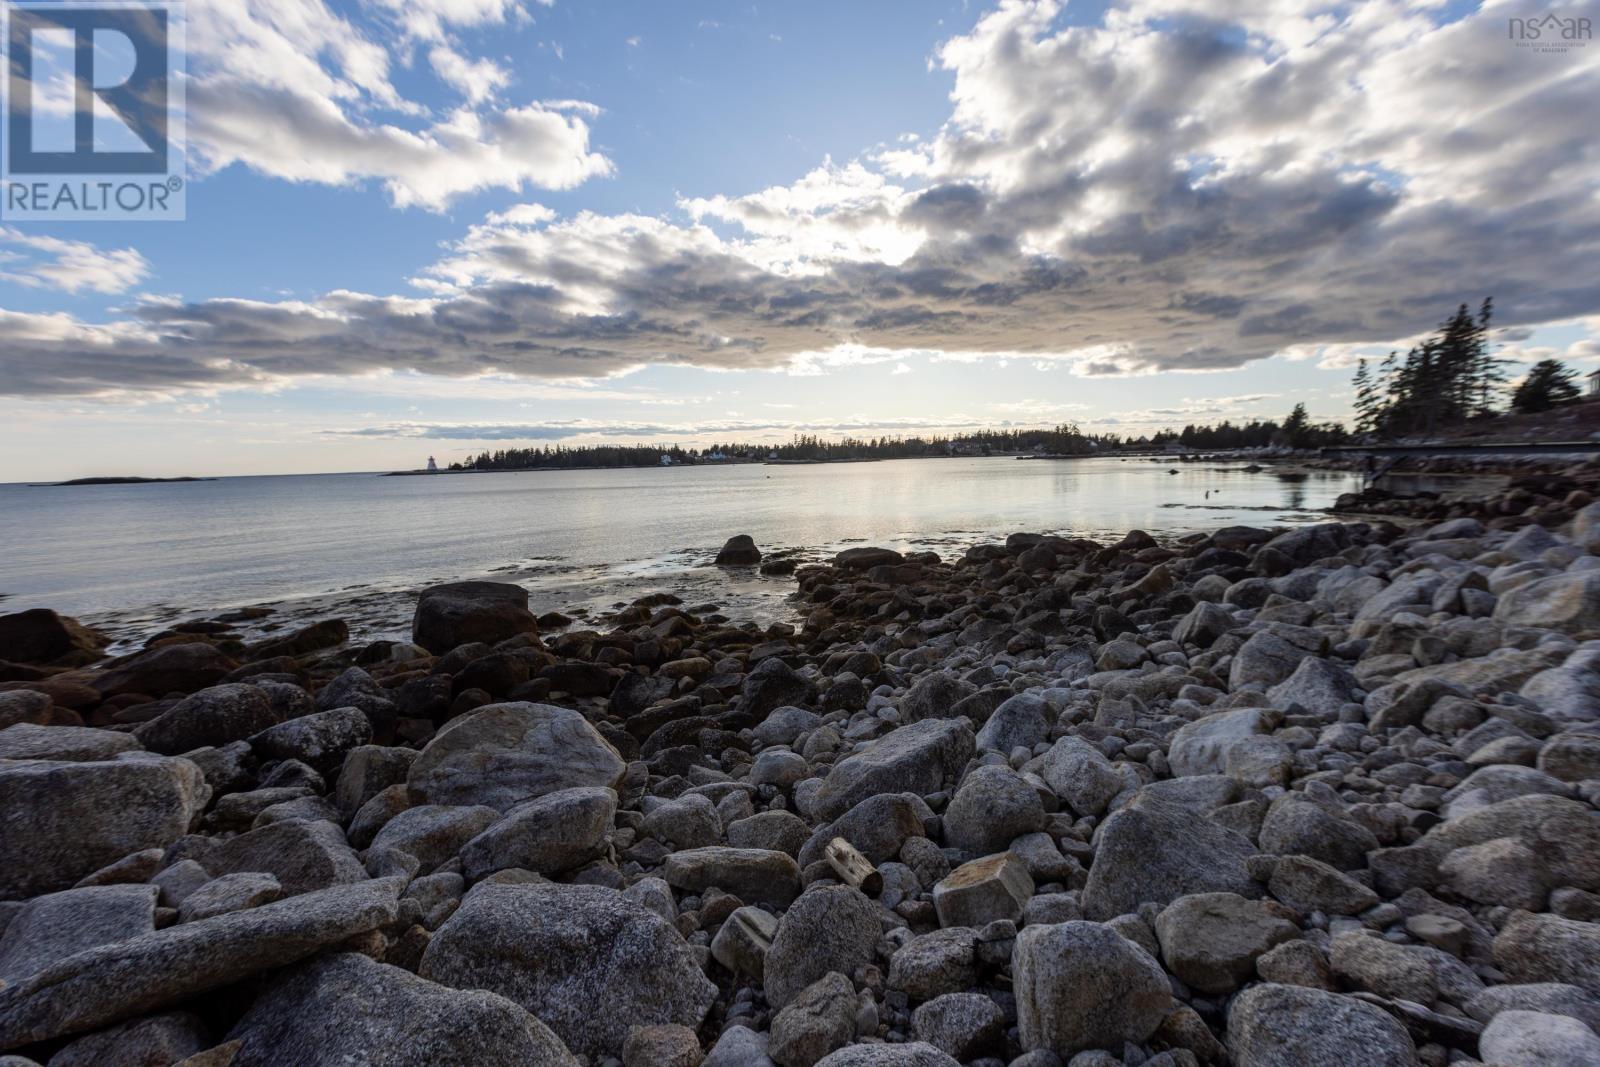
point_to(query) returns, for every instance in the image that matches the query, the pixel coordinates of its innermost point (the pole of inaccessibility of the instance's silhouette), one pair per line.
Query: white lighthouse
(433, 468)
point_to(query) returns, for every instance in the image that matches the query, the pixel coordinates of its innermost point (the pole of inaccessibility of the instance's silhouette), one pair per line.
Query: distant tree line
(1066, 439)
(1450, 378)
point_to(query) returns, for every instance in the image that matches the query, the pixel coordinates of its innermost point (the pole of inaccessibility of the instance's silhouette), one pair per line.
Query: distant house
(1594, 383)
(666, 460)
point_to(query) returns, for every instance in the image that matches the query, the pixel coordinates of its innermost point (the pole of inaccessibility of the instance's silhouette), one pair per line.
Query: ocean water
(134, 554)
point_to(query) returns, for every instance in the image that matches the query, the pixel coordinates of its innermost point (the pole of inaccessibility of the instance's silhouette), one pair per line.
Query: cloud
(562, 429)
(38, 261)
(1183, 187)
(295, 91)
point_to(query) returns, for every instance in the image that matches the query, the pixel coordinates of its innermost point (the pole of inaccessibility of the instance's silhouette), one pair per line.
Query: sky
(430, 227)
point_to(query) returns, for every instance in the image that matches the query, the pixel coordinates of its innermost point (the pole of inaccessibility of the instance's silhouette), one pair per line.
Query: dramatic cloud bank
(1188, 186)
(289, 88)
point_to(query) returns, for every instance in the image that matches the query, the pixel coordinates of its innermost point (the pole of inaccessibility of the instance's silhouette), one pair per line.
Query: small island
(116, 481)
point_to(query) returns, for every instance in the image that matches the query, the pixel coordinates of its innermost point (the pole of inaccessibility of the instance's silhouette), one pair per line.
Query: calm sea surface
(133, 552)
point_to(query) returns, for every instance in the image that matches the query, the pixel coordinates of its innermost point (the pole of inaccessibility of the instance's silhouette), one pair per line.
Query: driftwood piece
(854, 868)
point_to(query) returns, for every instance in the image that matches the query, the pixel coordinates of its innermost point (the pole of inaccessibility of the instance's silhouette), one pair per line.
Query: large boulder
(210, 718)
(739, 551)
(1538, 1039)
(1568, 602)
(1296, 1026)
(1155, 850)
(830, 928)
(39, 635)
(771, 685)
(1211, 941)
(1021, 721)
(504, 754)
(922, 758)
(320, 740)
(934, 696)
(1570, 691)
(63, 821)
(1081, 985)
(106, 984)
(460, 613)
(993, 807)
(348, 1009)
(584, 959)
(183, 668)
(1550, 948)
(1080, 774)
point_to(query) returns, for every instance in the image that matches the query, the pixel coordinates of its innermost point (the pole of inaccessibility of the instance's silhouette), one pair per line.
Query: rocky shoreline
(1253, 797)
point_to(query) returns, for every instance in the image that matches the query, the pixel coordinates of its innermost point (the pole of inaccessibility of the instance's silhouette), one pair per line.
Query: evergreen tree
(1549, 383)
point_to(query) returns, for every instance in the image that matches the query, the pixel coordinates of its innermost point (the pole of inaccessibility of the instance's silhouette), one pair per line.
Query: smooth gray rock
(993, 807)
(821, 1018)
(1153, 850)
(933, 964)
(1080, 774)
(964, 1025)
(347, 1009)
(922, 758)
(459, 613)
(1549, 948)
(1293, 1026)
(434, 832)
(565, 952)
(739, 1046)
(211, 717)
(1021, 721)
(320, 740)
(1568, 603)
(504, 754)
(1082, 985)
(553, 834)
(829, 928)
(1535, 1039)
(1211, 941)
(302, 854)
(107, 984)
(67, 820)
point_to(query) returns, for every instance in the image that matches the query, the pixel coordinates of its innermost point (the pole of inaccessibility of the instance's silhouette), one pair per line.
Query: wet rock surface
(1325, 795)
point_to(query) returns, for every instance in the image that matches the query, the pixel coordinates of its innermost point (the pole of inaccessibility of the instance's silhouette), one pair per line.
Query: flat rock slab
(756, 875)
(348, 1009)
(58, 925)
(144, 974)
